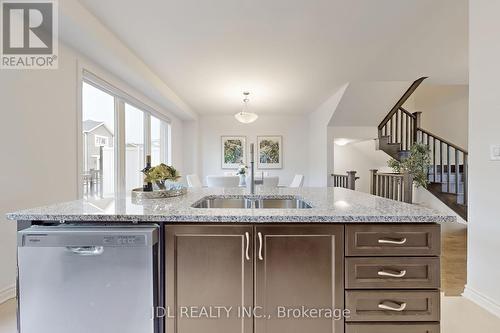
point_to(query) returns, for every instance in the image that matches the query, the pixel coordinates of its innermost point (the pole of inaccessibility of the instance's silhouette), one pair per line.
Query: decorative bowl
(138, 194)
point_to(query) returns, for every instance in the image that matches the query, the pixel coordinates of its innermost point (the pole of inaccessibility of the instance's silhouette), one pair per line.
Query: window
(160, 139)
(134, 147)
(118, 132)
(98, 128)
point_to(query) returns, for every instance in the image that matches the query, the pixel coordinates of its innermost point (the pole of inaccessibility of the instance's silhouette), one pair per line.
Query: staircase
(447, 174)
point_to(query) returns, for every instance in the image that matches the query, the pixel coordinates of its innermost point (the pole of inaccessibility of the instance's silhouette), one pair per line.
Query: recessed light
(342, 141)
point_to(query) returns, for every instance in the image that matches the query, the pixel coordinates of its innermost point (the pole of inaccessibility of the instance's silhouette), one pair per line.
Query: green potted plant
(416, 164)
(161, 175)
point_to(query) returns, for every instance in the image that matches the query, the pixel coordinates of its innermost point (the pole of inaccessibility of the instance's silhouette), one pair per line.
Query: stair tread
(450, 199)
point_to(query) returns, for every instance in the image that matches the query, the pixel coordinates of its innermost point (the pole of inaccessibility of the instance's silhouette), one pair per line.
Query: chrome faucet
(252, 170)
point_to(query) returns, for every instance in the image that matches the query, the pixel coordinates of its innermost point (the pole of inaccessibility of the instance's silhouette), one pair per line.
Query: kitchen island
(329, 205)
(352, 262)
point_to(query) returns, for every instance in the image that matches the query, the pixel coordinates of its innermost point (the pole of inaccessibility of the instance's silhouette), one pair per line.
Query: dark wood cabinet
(392, 278)
(295, 267)
(393, 305)
(392, 273)
(208, 267)
(267, 274)
(392, 328)
(277, 270)
(393, 240)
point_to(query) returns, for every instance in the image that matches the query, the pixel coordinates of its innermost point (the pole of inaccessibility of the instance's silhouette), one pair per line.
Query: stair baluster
(397, 132)
(395, 186)
(448, 180)
(452, 168)
(346, 181)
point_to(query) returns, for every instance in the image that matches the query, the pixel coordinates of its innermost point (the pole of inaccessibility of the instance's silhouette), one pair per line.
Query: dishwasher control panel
(128, 240)
(81, 236)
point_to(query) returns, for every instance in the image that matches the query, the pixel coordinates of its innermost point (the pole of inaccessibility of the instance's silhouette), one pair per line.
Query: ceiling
(290, 54)
(367, 103)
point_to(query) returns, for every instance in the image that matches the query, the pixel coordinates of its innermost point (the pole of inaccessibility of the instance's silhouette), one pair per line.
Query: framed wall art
(233, 151)
(270, 152)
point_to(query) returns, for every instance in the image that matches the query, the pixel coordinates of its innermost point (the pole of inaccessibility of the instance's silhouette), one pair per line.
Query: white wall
(38, 137)
(191, 148)
(367, 103)
(320, 149)
(293, 128)
(360, 157)
(483, 277)
(444, 111)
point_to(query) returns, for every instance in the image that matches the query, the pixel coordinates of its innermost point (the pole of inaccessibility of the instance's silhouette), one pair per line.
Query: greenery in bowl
(160, 174)
(242, 169)
(417, 164)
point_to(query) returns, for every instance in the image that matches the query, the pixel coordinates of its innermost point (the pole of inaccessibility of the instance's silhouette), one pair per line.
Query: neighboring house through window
(114, 150)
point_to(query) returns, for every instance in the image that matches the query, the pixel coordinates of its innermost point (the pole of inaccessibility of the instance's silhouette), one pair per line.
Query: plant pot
(243, 180)
(158, 186)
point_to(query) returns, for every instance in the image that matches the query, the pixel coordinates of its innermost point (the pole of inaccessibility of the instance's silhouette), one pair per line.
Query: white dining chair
(193, 181)
(297, 181)
(223, 181)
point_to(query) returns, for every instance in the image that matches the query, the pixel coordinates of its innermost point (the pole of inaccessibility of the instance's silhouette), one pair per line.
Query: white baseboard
(7, 293)
(482, 300)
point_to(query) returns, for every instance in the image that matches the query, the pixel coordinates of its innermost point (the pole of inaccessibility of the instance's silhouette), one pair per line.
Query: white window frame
(165, 135)
(120, 99)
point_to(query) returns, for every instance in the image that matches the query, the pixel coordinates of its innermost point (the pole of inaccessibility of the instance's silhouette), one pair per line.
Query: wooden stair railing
(447, 175)
(399, 130)
(448, 171)
(398, 126)
(346, 181)
(395, 186)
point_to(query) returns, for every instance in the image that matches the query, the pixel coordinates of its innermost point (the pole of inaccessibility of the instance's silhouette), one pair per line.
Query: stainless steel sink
(222, 203)
(251, 202)
(283, 203)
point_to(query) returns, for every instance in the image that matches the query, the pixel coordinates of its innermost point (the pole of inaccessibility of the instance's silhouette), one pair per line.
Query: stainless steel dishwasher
(87, 279)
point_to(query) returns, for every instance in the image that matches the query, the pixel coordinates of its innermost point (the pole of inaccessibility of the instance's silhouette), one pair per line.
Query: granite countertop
(329, 205)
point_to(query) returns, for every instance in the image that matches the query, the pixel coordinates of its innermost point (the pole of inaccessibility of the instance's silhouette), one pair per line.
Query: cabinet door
(299, 267)
(209, 267)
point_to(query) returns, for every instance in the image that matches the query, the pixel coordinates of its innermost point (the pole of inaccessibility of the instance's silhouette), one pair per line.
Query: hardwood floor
(453, 258)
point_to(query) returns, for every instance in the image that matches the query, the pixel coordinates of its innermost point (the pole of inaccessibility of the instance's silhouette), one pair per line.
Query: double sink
(249, 202)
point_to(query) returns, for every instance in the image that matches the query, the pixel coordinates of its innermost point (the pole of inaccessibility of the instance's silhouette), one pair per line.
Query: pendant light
(244, 116)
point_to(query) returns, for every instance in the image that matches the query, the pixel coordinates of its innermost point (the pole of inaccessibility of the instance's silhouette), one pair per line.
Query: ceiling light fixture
(342, 141)
(244, 116)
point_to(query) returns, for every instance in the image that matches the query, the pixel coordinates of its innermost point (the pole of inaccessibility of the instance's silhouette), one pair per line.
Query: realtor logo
(29, 34)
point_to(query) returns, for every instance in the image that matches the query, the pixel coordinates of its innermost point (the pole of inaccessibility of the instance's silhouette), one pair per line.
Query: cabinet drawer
(393, 240)
(397, 305)
(392, 328)
(392, 273)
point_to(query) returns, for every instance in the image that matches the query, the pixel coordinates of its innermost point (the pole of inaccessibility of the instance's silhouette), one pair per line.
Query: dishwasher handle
(86, 250)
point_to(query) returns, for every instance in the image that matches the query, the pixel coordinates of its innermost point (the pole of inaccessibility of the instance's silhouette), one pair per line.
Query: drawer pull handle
(392, 274)
(86, 250)
(392, 241)
(259, 234)
(247, 236)
(400, 307)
